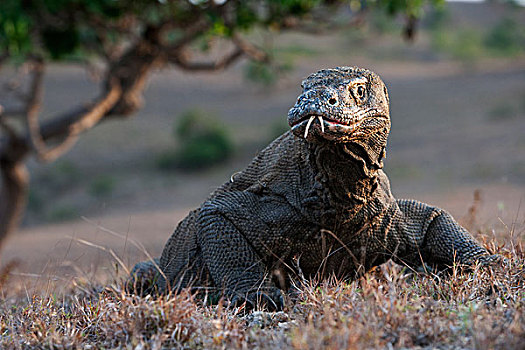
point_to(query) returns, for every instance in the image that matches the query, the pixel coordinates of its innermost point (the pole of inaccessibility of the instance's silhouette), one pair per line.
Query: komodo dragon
(314, 201)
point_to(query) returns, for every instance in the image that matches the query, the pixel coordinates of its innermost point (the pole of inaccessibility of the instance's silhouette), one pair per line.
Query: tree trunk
(131, 71)
(13, 195)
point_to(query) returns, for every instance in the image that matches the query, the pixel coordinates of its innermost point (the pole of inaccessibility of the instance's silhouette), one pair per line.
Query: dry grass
(388, 308)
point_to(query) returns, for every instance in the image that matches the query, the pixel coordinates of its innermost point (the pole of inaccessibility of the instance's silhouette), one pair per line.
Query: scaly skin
(314, 200)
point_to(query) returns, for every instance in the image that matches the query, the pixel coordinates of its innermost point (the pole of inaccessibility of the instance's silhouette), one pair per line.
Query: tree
(131, 38)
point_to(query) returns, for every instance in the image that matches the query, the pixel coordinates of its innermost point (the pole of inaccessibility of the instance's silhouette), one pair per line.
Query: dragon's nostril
(332, 101)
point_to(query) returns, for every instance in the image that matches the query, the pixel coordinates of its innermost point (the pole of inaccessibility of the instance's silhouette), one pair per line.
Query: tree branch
(322, 24)
(87, 120)
(190, 34)
(33, 108)
(67, 127)
(181, 60)
(178, 56)
(250, 49)
(97, 110)
(70, 126)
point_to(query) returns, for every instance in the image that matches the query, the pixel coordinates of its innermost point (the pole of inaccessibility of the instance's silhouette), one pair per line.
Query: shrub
(464, 44)
(102, 186)
(266, 74)
(203, 142)
(507, 37)
(260, 73)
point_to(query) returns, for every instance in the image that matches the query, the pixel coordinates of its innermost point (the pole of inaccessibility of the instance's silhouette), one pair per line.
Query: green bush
(507, 37)
(260, 73)
(202, 140)
(463, 44)
(102, 186)
(267, 74)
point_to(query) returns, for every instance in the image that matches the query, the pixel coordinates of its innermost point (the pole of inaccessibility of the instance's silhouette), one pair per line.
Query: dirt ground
(449, 138)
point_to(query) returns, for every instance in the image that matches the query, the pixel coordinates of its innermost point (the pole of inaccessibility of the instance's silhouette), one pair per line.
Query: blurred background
(457, 92)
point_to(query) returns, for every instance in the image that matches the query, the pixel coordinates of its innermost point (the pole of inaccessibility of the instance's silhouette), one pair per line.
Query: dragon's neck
(347, 172)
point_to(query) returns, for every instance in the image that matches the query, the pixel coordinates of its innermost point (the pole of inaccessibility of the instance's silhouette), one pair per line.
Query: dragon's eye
(360, 91)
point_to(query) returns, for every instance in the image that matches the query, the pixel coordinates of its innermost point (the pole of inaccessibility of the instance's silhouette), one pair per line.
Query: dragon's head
(345, 104)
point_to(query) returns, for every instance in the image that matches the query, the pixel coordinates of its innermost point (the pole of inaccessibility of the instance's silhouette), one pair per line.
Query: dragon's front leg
(233, 236)
(432, 237)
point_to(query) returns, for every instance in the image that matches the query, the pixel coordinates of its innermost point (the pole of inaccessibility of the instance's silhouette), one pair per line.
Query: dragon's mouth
(328, 127)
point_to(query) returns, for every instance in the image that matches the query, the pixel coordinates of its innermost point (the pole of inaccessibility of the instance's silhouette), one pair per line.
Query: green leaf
(15, 28)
